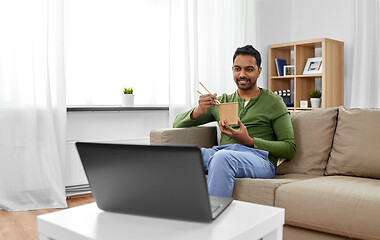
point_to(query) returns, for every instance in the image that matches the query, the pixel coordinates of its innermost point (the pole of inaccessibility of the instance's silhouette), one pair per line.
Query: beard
(245, 83)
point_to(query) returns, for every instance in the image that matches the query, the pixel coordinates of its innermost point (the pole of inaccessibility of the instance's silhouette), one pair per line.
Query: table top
(89, 222)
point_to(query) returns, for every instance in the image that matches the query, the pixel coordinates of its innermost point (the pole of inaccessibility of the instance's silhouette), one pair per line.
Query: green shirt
(267, 120)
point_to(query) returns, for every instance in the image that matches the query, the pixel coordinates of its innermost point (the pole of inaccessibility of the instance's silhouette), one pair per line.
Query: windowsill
(115, 108)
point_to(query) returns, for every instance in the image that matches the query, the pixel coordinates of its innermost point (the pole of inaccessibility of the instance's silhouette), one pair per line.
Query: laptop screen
(153, 180)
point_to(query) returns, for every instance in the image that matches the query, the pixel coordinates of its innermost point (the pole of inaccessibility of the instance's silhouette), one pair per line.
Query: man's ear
(259, 72)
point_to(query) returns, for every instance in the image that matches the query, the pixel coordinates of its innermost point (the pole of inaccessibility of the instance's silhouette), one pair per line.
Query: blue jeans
(225, 163)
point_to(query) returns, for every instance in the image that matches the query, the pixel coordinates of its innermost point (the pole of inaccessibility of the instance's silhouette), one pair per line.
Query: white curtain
(32, 105)
(365, 88)
(203, 38)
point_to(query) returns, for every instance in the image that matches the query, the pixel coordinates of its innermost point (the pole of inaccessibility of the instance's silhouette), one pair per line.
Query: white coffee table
(241, 220)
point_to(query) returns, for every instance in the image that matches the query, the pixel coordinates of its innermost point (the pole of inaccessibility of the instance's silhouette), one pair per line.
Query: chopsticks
(216, 100)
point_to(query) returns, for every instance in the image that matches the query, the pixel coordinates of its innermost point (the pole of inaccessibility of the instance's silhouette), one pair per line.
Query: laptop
(150, 180)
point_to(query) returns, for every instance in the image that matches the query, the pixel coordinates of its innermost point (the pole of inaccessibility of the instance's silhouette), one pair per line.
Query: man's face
(245, 71)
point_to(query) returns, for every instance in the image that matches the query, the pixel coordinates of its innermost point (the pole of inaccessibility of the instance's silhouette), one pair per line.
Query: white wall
(111, 126)
(119, 127)
(280, 21)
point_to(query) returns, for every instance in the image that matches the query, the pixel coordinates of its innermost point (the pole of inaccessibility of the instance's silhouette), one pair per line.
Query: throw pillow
(313, 132)
(356, 147)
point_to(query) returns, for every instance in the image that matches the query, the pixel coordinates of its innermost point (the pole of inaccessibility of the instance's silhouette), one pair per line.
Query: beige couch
(331, 188)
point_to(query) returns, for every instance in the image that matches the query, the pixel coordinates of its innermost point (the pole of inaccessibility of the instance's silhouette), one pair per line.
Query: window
(112, 44)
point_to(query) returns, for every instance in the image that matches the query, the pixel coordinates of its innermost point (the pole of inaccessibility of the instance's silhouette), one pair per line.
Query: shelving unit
(296, 53)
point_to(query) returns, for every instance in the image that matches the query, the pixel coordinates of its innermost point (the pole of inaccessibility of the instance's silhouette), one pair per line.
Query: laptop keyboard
(218, 204)
(215, 207)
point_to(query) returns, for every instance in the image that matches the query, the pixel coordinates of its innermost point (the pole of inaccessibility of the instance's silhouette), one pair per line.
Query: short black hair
(248, 50)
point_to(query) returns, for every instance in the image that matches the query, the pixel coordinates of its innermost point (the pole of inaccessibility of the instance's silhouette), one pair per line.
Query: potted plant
(315, 98)
(127, 97)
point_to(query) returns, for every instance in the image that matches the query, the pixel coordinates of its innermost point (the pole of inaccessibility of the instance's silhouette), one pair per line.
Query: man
(263, 134)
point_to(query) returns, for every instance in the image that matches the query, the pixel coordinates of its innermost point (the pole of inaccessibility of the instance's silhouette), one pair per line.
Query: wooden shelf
(297, 53)
(310, 75)
(298, 76)
(283, 77)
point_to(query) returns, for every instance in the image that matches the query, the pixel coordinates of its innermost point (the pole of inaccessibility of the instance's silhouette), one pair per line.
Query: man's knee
(221, 158)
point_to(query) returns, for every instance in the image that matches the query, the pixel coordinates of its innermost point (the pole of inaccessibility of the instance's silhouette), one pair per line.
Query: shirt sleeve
(184, 120)
(285, 146)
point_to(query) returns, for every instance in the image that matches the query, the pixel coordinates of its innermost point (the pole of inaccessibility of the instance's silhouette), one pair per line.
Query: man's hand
(204, 102)
(240, 135)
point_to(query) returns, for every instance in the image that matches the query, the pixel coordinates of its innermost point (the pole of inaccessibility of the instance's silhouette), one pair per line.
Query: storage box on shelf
(297, 54)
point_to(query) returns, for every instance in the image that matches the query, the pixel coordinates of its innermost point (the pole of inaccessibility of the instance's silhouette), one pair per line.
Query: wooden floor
(23, 224)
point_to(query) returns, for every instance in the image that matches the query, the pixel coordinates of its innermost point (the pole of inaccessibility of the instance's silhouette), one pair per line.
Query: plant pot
(127, 100)
(228, 111)
(315, 102)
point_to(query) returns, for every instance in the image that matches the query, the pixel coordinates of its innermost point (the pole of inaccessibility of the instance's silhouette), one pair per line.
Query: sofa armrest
(202, 136)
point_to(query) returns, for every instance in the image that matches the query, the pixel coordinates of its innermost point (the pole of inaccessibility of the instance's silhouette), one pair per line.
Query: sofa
(330, 189)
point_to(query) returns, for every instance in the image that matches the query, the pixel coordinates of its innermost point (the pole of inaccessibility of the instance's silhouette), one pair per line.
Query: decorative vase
(315, 102)
(127, 100)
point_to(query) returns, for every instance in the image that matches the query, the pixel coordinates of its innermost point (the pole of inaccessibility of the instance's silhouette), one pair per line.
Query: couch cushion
(202, 136)
(296, 233)
(262, 191)
(356, 144)
(342, 205)
(313, 132)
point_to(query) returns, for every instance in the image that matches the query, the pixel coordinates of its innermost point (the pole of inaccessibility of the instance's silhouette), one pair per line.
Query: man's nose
(242, 74)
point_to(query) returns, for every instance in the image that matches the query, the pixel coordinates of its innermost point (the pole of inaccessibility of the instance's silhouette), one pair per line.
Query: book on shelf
(280, 63)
